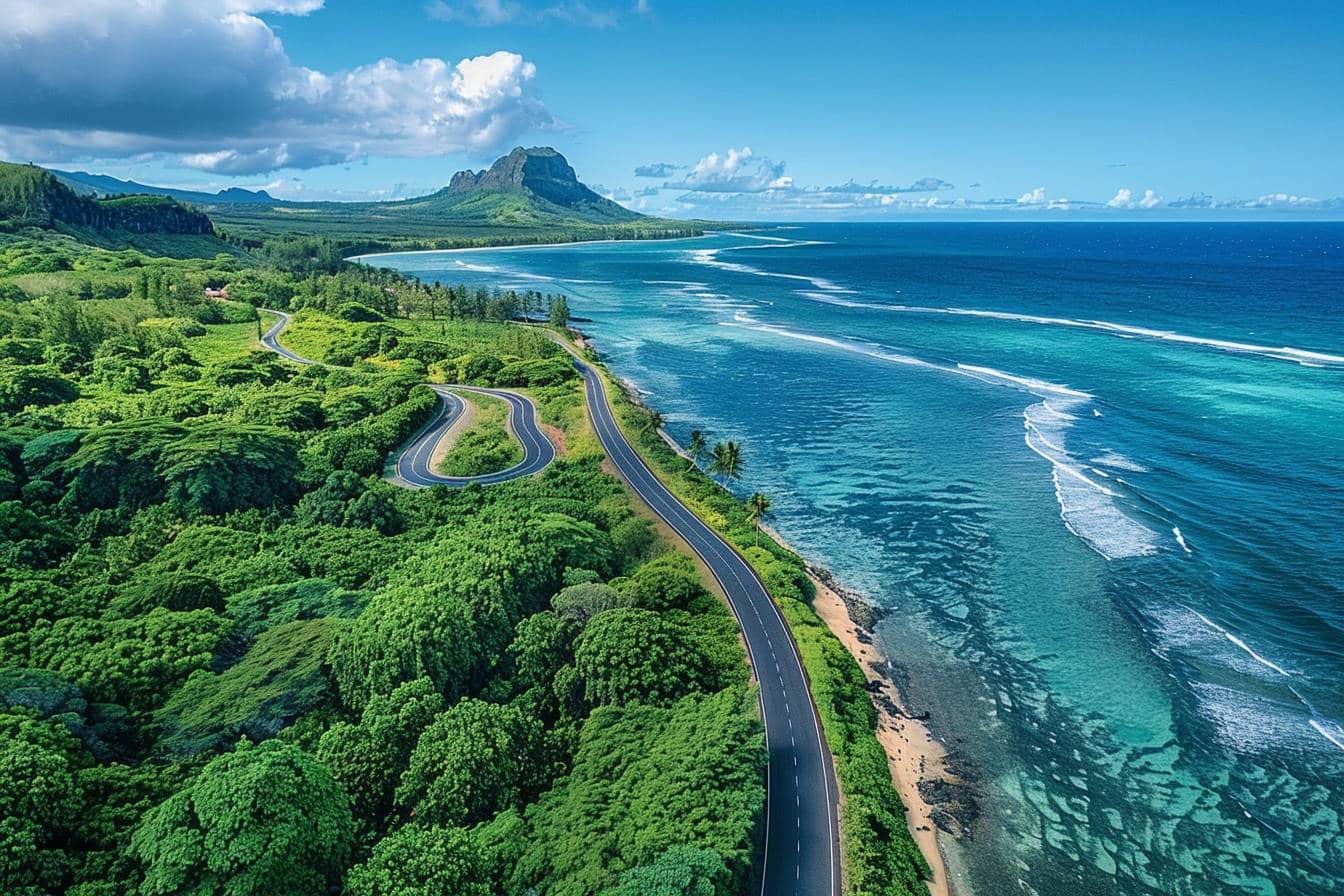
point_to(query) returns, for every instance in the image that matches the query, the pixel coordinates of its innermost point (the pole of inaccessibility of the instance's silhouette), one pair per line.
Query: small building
(221, 293)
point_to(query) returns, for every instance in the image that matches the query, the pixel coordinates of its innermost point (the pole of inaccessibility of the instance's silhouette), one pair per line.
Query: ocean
(1094, 472)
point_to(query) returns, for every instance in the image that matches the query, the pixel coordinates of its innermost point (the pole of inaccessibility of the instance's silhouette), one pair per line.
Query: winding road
(802, 831)
(414, 467)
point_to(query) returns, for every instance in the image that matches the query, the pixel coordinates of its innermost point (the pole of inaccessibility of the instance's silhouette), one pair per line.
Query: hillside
(32, 197)
(527, 196)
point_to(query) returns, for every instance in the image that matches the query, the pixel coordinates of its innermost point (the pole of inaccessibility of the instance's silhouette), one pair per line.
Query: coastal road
(413, 464)
(802, 830)
(802, 833)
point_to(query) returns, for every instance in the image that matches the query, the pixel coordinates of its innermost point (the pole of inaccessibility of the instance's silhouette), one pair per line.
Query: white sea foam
(760, 236)
(1305, 357)
(1180, 539)
(1246, 648)
(710, 258)
(1330, 731)
(1119, 462)
(1088, 508)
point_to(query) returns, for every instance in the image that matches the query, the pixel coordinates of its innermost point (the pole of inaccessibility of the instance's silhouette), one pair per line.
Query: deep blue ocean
(1096, 471)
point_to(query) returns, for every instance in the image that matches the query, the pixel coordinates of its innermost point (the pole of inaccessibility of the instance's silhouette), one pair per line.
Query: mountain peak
(542, 172)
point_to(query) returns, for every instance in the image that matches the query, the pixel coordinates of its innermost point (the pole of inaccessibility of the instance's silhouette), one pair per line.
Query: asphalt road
(413, 463)
(802, 831)
(802, 837)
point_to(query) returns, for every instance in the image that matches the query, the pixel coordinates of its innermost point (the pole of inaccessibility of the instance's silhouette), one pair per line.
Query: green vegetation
(880, 856)
(33, 198)
(234, 660)
(528, 196)
(486, 446)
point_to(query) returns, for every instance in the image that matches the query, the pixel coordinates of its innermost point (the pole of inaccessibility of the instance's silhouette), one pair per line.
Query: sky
(744, 110)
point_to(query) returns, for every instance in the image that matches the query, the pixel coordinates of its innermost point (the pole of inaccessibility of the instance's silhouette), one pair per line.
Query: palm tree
(758, 509)
(726, 460)
(696, 448)
(654, 422)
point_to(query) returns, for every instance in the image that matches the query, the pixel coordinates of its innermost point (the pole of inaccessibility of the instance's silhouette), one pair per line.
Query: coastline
(914, 755)
(520, 246)
(929, 786)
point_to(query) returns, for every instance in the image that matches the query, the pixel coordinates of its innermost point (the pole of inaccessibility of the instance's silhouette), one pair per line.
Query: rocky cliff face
(34, 197)
(541, 171)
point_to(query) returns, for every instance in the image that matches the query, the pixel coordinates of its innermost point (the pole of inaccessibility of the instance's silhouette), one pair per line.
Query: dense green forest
(233, 659)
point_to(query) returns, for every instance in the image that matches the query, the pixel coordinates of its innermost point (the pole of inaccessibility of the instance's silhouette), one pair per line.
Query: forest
(235, 660)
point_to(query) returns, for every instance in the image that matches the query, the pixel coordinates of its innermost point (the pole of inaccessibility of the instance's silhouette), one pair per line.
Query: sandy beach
(912, 751)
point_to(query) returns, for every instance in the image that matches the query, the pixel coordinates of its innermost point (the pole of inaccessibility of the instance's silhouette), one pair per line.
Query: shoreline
(520, 246)
(915, 756)
(927, 780)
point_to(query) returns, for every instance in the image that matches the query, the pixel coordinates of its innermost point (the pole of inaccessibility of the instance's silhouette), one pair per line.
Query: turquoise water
(1095, 471)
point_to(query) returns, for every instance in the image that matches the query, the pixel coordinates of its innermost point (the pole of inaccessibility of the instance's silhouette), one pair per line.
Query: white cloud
(736, 171)
(1035, 197)
(1124, 198)
(229, 100)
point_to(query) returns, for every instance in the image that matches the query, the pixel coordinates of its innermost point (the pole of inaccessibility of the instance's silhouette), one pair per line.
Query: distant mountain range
(528, 196)
(527, 185)
(34, 197)
(104, 185)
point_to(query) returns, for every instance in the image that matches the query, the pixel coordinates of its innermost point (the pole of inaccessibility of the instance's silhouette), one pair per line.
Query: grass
(224, 342)
(486, 446)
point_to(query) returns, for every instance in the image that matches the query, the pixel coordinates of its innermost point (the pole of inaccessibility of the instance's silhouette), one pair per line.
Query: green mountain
(541, 179)
(34, 197)
(527, 196)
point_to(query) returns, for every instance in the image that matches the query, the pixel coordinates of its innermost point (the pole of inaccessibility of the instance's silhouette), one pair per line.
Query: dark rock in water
(953, 805)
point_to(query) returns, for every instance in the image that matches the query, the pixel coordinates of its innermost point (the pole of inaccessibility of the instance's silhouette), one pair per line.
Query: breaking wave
(1089, 509)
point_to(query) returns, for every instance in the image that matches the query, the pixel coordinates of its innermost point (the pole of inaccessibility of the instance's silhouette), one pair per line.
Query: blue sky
(761, 110)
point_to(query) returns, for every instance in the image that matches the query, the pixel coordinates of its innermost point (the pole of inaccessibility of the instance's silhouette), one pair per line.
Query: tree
(559, 312)
(260, 820)
(629, 655)
(696, 447)
(367, 759)
(654, 422)
(476, 759)
(420, 862)
(681, 871)
(669, 582)
(584, 601)
(39, 801)
(758, 509)
(726, 461)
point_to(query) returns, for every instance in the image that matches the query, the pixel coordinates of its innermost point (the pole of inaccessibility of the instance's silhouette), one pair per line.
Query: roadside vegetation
(234, 660)
(880, 855)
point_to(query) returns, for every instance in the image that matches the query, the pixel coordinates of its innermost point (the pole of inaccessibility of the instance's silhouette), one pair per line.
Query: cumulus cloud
(658, 169)
(502, 12)
(1034, 197)
(923, 185)
(229, 100)
(736, 171)
(1124, 198)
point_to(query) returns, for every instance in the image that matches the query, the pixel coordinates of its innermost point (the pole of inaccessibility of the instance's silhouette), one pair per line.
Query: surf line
(1088, 508)
(1305, 357)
